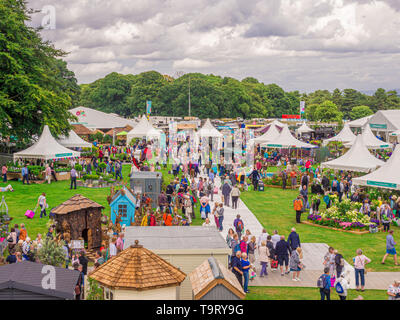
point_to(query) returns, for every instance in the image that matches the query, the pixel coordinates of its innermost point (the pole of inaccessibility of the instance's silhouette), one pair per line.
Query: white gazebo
(359, 123)
(73, 141)
(209, 131)
(370, 141)
(143, 130)
(271, 135)
(304, 128)
(387, 176)
(344, 136)
(275, 123)
(358, 159)
(286, 140)
(46, 148)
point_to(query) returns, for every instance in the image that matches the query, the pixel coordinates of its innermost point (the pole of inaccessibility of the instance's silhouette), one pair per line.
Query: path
(313, 255)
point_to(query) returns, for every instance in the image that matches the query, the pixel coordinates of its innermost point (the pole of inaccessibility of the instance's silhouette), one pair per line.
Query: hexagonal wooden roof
(76, 203)
(137, 268)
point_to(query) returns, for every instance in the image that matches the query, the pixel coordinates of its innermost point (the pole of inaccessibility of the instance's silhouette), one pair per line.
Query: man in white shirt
(275, 238)
(262, 238)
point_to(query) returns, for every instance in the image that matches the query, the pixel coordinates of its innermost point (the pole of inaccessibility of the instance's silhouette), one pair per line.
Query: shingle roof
(76, 203)
(80, 129)
(137, 268)
(28, 276)
(211, 273)
(118, 130)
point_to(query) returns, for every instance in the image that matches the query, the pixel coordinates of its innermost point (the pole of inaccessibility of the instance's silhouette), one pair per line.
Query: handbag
(274, 264)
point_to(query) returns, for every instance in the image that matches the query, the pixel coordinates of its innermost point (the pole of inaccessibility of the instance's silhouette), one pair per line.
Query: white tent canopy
(370, 141)
(387, 176)
(275, 123)
(304, 128)
(286, 140)
(344, 136)
(359, 123)
(46, 148)
(358, 158)
(271, 135)
(143, 130)
(73, 141)
(208, 130)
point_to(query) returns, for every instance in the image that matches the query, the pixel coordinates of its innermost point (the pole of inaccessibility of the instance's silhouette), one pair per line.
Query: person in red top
(308, 165)
(293, 179)
(167, 219)
(100, 155)
(152, 220)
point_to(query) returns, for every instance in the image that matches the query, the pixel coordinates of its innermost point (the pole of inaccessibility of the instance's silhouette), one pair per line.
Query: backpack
(239, 225)
(321, 282)
(339, 288)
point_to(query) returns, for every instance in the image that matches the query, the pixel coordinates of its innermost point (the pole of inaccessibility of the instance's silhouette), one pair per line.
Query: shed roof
(137, 268)
(76, 203)
(211, 273)
(175, 237)
(80, 129)
(28, 276)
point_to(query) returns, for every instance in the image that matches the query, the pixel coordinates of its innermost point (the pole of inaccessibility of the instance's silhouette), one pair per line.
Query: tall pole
(189, 96)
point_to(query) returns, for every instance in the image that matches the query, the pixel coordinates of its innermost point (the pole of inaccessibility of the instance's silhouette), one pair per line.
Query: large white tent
(95, 119)
(286, 140)
(359, 123)
(275, 123)
(271, 135)
(73, 141)
(370, 141)
(209, 131)
(358, 159)
(304, 128)
(143, 130)
(387, 176)
(46, 148)
(344, 136)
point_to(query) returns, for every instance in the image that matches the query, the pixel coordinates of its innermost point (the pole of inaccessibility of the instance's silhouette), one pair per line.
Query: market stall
(73, 141)
(344, 136)
(370, 141)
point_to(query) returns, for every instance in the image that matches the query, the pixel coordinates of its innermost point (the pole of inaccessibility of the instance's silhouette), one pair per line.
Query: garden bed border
(337, 229)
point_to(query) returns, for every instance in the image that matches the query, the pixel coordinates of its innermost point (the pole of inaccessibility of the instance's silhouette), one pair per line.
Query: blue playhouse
(123, 202)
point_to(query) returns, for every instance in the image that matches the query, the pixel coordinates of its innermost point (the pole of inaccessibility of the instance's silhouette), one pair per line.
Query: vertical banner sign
(302, 107)
(148, 109)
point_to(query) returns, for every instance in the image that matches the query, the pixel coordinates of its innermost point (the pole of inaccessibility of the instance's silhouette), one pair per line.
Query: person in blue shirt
(25, 175)
(236, 265)
(325, 292)
(245, 270)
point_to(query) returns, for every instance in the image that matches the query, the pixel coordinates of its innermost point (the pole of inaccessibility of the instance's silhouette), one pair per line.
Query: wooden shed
(138, 274)
(23, 281)
(80, 217)
(184, 247)
(213, 281)
(147, 182)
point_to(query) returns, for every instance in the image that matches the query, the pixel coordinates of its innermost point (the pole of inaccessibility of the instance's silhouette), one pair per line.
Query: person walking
(294, 239)
(295, 263)
(282, 252)
(25, 174)
(239, 226)
(298, 207)
(359, 267)
(263, 256)
(339, 263)
(42, 204)
(390, 248)
(47, 172)
(226, 192)
(245, 269)
(324, 284)
(235, 193)
(394, 291)
(220, 212)
(342, 285)
(4, 170)
(73, 174)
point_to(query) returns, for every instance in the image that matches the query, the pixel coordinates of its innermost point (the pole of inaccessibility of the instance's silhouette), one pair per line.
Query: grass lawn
(289, 293)
(25, 197)
(274, 209)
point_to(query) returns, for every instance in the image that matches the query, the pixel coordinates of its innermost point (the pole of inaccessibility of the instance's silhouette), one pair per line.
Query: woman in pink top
(359, 266)
(48, 173)
(4, 173)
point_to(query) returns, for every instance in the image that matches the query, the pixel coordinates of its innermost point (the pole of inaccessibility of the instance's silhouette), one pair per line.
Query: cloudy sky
(299, 44)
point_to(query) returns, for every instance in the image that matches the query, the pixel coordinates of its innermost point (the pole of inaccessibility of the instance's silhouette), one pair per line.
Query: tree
(34, 84)
(360, 112)
(94, 290)
(52, 253)
(328, 112)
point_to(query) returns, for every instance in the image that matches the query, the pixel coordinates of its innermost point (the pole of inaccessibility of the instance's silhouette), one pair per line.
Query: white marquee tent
(209, 131)
(275, 123)
(73, 141)
(286, 140)
(358, 159)
(143, 130)
(370, 141)
(46, 148)
(271, 135)
(359, 123)
(387, 176)
(304, 128)
(344, 136)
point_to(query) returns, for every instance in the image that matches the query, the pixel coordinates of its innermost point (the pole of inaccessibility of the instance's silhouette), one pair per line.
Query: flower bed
(344, 215)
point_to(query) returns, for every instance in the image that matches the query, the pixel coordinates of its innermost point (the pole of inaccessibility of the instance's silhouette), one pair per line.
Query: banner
(302, 107)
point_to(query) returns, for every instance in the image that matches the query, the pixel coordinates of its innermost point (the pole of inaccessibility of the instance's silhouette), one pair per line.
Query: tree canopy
(36, 88)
